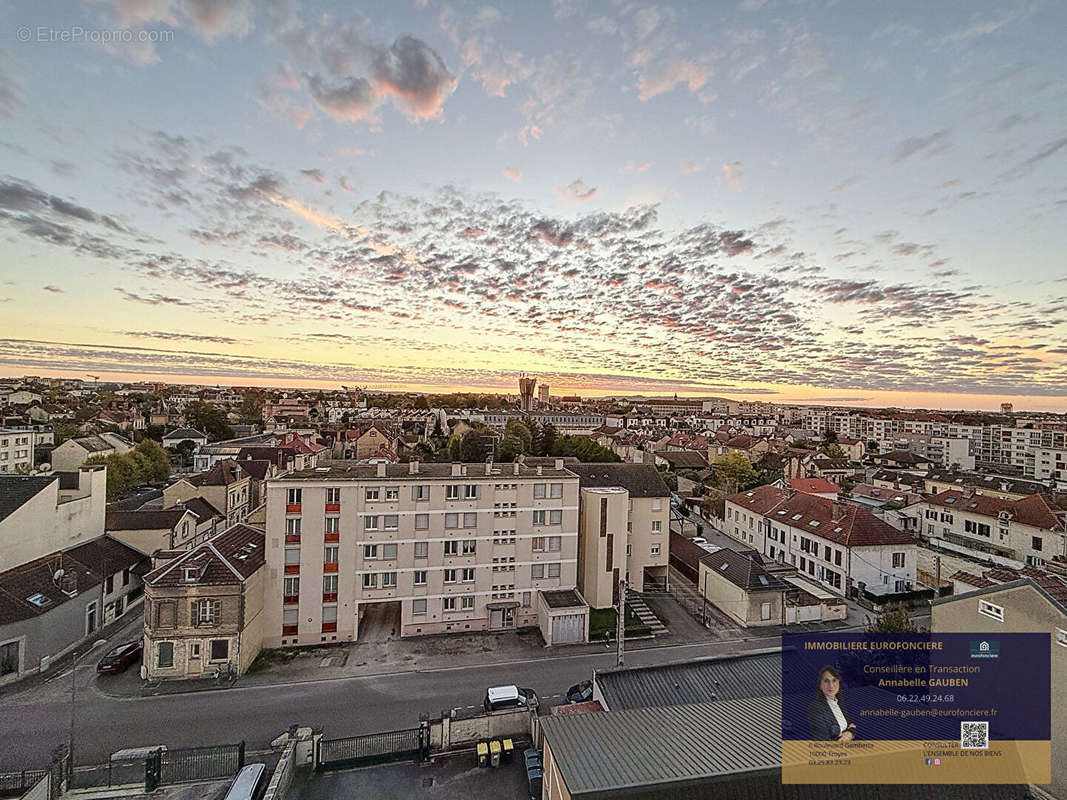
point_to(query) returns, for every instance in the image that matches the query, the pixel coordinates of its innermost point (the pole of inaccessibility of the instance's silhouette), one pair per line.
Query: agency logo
(985, 648)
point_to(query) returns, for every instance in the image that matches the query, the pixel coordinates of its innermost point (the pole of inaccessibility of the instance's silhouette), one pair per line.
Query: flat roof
(427, 471)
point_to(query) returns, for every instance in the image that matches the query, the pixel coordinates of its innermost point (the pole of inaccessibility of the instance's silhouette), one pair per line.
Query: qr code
(974, 735)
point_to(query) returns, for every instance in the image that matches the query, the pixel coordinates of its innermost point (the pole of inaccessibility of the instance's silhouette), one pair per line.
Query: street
(37, 721)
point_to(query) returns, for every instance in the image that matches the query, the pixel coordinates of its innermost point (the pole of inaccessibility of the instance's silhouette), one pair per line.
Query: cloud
(314, 175)
(53, 289)
(576, 192)
(936, 144)
(690, 167)
(172, 336)
(11, 97)
(664, 77)
(154, 299)
(412, 72)
(513, 174)
(982, 27)
(635, 168)
(345, 185)
(1024, 167)
(528, 132)
(353, 99)
(733, 174)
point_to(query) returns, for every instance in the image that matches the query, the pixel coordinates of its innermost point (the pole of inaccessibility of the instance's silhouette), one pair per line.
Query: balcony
(333, 507)
(290, 599)
(332, 537)
(329, 597)
(292, 508)
(329, 566)
(292, 569)
(329, 627)
(289, 630)
(292, 538)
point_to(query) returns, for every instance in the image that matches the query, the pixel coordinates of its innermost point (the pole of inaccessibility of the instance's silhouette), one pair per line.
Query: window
(469, 547)
(470, 491)
(291, 588)
(370, 580)
(194, 650)
(556, 490)
(372, 493)
(420, 492)
(329, 618)
(292, 557)
(333, 524)
(165, 650)
(290, 621)
(293, 497)
(538, 544)
(450, 576)
(470, 519)
(539, 491)
(452, 547)
(526, 598)
(765, 611)
(192, 574)
(388, 580)
(452, 491)
(370, 551)
(329, 588)
(1061, 637)
(837, 558)
(657, 526)
(987, 609)
(422, 549)
(419, 577)
(539, 518)
(125, 577)
(370, 523)
(554, 543)
(451, 521)
(333, 495)
(468, 574)
(391, 522)
(389, 551)
(292, 526)
(422, 522)
(553, 570)
(979, 528)
(898, 560)
(418, 606)
(392, 493)
(555, 517)
(9, 658)
(466, 602)
(207, 612)
(329, 555)
(657, 505)
(655, 549)
(220, 649)
(629, 549)
(1035, 543)
(537, 571)
(448, 604)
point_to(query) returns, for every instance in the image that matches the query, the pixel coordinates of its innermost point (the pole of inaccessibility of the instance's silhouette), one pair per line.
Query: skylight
(950, 500)
(724, 566)
(797, 516)
(39, 600)
(814, 523)
(763, 579)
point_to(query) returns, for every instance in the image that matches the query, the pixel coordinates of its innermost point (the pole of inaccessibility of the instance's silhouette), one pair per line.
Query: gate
(200, 763)
(374, 748)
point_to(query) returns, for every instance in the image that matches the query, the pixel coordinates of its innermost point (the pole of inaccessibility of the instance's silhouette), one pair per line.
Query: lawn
(602, 623)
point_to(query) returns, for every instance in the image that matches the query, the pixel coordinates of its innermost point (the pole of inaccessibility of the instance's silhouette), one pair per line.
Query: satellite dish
(58, 576)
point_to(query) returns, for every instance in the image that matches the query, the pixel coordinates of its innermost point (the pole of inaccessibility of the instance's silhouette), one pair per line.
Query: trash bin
(535, 778)
(483, 754)
(533, 758)
(494, 753)
(507, 749)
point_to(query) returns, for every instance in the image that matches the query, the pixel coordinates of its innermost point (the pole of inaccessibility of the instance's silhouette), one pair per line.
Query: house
(209, 520)
(852, 448)
(871, 496)
(681, 459)
(73, 453)
(16, 450)
(227, 486)
(820, 487)
(902, 459)
(738, 585)
(204, 607)
(1011, 533)
(23, 397)
(838, 546)
(831, 469)
(150, 530)
(175, 438)
(1006, 488)
(52, 603)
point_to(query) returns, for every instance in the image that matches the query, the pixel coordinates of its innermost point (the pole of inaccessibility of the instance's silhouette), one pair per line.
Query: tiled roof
(15, 490)
(1035, 510)
(199, 506)
(222, 473)
(814, 485)
(684, 459)
(743, 569)
(427, 470)
(640, 480)
(142, 520)
(972, 580)
(903, 457)
(185, 433)
(227, 558)
(997, 483)
(258, 468)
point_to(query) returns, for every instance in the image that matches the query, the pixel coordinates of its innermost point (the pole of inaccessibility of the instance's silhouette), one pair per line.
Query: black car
(580, 692)
(121, 657)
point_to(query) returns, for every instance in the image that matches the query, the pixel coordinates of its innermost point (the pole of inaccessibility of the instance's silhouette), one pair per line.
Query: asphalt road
(36, 721)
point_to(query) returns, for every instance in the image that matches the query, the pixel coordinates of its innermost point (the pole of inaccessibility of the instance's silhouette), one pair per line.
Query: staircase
(644, 613)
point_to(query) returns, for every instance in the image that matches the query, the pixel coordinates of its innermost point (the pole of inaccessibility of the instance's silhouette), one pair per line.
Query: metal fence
(374, 748)
(200, 763)
(12, 784)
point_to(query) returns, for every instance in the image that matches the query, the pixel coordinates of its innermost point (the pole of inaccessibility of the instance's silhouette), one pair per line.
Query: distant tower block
(542, 394)
(1006, 408)
(526, 392)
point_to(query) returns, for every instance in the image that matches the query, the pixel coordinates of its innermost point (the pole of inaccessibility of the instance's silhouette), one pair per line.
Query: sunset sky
(861, 203)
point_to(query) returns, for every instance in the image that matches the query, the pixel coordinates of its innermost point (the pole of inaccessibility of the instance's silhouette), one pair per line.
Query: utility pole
(704, 596)
(937, 561)
(620, 624)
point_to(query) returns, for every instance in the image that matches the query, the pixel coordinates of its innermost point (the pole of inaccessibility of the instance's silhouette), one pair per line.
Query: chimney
(558, 463)
(489, 465)
(413, 467)
(456, 470)
(838, 511)
(515, 468)
(381, 470)
(540, 469)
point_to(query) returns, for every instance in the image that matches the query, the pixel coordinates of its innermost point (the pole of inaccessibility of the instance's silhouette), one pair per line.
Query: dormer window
(191, 574)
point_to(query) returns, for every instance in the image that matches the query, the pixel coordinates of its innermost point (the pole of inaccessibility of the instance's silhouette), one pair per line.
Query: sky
(860, 203)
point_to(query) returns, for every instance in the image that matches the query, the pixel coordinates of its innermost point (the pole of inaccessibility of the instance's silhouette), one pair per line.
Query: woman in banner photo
(827, 716)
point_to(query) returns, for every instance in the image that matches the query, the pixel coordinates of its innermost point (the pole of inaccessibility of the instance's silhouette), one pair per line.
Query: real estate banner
(916, 708)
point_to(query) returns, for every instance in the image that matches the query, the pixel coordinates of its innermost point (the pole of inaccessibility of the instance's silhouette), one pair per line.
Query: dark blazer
(824, 727)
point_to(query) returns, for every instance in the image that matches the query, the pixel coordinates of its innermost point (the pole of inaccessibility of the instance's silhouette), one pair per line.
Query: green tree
(154, 461)
(122, 473)
(475, 446)
(893, 619)
(735, 473)
(63, 431)
(510, 448)
(545, 441)
(155, 432)
(671, 480)
(585, 450)
(251, 407)
(835, 451)
(872, 446)
(522, 433)
(455, 447)
(184, 451)
(830, 437)
(209, 419)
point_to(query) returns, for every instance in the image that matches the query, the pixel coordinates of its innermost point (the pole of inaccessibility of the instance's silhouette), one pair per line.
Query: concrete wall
(746, 608)
(552, 785)
(449, 734)
(597, 577)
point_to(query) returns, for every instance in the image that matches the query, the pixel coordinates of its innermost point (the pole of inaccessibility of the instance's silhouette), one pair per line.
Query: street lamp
(74, 690)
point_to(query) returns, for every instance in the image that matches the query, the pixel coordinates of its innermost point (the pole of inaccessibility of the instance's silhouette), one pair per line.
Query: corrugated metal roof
(650, 747)
(700, 681)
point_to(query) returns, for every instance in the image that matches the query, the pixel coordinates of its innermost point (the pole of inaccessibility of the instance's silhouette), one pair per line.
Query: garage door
(568, 629)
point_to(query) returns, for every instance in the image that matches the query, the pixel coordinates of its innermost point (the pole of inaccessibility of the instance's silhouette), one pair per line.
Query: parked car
(699, 540)
(504, 697)
(580, 692)
(121, 657)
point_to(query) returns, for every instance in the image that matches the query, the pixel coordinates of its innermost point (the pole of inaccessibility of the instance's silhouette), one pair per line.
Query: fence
(200, 763)
(13, 784)
(374, 748)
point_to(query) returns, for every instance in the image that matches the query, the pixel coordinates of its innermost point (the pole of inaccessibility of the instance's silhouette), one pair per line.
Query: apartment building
(16, 450)
(1011, 533)
(839, 546)
(226, 486)
(368, 551)
(1050, 464)
(624, 514)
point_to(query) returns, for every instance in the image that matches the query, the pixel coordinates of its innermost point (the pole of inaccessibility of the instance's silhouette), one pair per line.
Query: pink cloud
(665, 77)
(576, 192)
(733, 173)
(689, 167)
(529, 132)
(513, 174)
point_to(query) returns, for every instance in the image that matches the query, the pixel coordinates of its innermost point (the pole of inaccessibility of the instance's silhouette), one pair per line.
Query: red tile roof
(227, 558)
(1035, 509)
(814, 485)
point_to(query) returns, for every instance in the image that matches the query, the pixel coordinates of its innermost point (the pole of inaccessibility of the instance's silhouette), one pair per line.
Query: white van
(498, 698)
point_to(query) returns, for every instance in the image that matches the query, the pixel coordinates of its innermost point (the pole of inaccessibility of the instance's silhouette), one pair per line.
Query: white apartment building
(1050, 464)
(839, 546)
(16, 450)
(1011, 533)
(408, 549)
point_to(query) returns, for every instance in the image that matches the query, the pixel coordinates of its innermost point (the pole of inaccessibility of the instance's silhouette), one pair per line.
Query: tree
(585, 450)
(671, 480)
(835, 451)
(510, 448)
(475, 446)
(893, 619)
(184, 450)
(544, 442)
(734, 472)
(522, 433)
(251, 407)
(209, 419)
(872, 446)
(155, 432)
(830, 437)
(122, 473)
